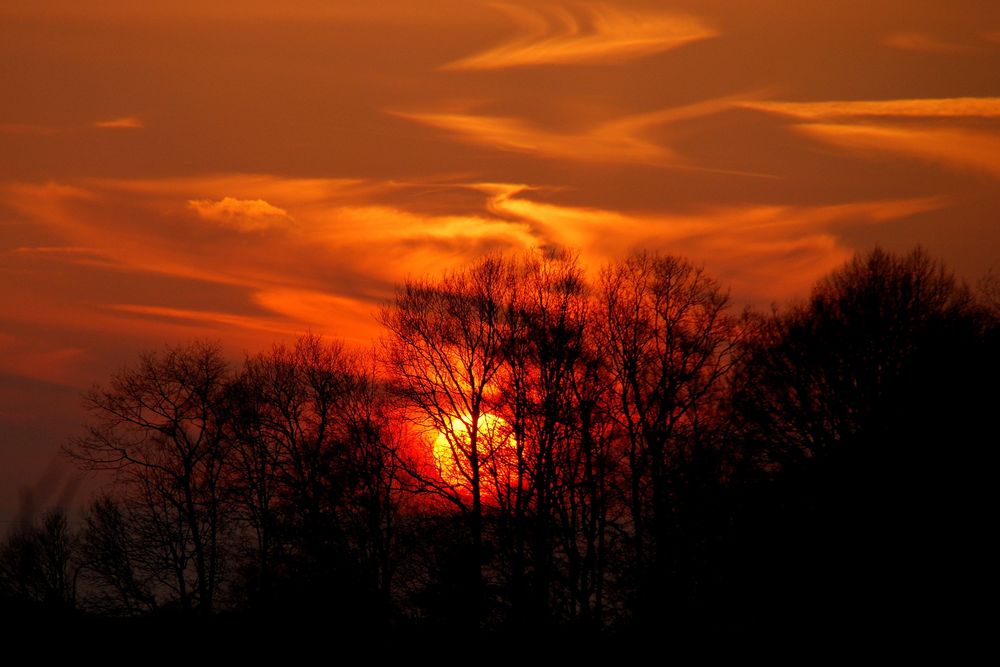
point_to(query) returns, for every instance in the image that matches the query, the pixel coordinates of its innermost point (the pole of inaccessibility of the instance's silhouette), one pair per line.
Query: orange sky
(249, 170)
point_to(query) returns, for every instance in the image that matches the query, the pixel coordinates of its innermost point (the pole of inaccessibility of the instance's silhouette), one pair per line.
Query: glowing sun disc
(495, 446)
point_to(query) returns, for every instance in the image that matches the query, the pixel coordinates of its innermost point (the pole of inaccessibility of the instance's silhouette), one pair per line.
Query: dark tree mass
(528, 451)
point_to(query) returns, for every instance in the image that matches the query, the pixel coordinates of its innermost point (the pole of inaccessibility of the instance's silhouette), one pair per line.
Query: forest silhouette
(528, 452)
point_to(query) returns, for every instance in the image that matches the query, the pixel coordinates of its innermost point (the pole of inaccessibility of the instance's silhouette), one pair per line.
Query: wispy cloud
(949, 146)
(941, 139)
(947, 107)
(123, 123)
(46, 130)
(327, 271)
(622, 140)
(209, 318)
(317, 309)
(324, 272)
(608, 143)
(590, 33)
(770, 252)
(69, 254)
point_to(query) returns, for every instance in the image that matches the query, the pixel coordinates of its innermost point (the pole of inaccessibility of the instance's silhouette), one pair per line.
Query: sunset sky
(250, 170)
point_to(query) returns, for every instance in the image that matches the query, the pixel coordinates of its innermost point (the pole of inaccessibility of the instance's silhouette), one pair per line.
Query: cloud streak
(620, 140)
(584, 33)
(948, 107)
(951, 147)
(123, 123)
(328, 270)
(324, 272)
(770, 252)
(209, 319)
(925, 129)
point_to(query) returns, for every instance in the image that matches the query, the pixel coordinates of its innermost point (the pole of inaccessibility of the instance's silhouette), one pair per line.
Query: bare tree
(989, 291)
(159, 426)
(540, 451)
(586, 464)
(868, 405)
(253, 487)
(290, 442)
(447, 342)
(39, 562)
(825, 372)
(314, 471)
(547, 345)
(372, 472)
(113, 561)
(671, 342)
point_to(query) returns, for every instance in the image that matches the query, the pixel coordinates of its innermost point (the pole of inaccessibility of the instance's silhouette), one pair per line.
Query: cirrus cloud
(618, 140)
(944, 107)
(563, 34)
(926, 129)
(951, 147)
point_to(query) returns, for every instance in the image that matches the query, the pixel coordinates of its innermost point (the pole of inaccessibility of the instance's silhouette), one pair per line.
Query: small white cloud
(246, 215)
(123, 123)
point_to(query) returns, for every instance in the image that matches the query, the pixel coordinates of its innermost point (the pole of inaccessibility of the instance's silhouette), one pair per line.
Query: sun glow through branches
(495, 445)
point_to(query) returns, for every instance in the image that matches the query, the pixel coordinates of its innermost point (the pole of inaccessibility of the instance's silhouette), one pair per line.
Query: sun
(495, 445)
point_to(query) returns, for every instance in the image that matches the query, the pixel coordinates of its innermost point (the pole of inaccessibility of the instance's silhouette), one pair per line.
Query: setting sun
(496, 446)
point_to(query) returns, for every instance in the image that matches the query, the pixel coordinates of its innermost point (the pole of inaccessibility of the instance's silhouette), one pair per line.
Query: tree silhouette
(372, 480)
(447, 341)
(551, 317)
(867, 405)
(314, 475)
(160, 427)
(115, 562)
(671, 342)
(989, 291)
(841, 367)
(39, 564)
(528, 452)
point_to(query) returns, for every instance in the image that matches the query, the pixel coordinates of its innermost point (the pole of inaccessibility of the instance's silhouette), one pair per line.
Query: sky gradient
(247, 171)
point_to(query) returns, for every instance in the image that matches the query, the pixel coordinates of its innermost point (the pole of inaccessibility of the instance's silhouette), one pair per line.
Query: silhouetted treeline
(528, 450)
